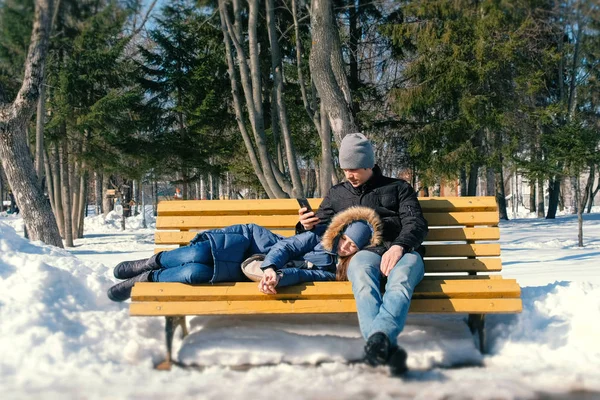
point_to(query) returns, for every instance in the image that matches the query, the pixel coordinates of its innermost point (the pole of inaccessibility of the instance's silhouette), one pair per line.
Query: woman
(217, 255)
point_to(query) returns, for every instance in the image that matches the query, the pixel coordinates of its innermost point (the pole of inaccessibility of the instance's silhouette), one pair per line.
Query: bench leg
(476, 323)
(170, 326)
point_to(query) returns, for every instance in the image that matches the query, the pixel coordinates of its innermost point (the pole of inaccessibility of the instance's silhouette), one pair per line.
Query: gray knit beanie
(356, 152)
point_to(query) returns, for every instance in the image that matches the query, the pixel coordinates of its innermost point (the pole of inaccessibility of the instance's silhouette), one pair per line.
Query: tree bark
(327, 71)
(39, 134)
(56, 179)
(106, 201)
(541, 197)
(251, 84)
(14, 117)
(98, 193)
(66, 193)
(490, 182)
(473, 177)
(82, 201)
(228, 37)
(326, 170)
(532, 202)
(593, 192)
(298, 190)
(500, 194)
(553, 196)
(49, 183)
(463, 182)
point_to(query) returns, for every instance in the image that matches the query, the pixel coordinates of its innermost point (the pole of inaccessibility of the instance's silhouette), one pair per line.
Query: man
(398, 262)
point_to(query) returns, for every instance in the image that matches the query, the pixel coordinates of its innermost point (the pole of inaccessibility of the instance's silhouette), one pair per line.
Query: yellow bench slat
(290, 206)
(479, 306)
(289, 221)
(489, 218)
(463, 288)
(463, 250)
(463, 265)
(442, 234)
(220, 221)
(458, 234)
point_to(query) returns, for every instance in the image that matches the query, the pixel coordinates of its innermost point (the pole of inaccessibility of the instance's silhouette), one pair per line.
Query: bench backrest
(460, 228)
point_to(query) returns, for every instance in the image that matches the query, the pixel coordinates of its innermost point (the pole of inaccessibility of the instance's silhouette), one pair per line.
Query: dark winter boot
(397, 361)
(122, 290)
(377, 349)
(130, 269)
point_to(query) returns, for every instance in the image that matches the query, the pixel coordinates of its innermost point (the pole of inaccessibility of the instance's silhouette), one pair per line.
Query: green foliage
(183, 75)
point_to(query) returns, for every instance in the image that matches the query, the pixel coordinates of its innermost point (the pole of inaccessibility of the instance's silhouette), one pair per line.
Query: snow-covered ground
(60, 337)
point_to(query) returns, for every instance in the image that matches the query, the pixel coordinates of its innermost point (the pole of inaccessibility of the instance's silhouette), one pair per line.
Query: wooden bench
(462, 265)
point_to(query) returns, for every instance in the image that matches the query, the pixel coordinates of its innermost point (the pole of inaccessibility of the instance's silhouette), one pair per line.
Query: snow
(60, 337)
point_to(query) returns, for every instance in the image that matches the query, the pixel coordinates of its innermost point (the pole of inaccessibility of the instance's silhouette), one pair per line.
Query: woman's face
(346, 247)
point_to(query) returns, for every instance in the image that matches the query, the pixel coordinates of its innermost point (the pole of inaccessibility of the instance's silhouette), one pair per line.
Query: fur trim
(345, 218)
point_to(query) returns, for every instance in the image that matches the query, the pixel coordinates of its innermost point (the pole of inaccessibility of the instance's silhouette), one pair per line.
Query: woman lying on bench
(218, 255)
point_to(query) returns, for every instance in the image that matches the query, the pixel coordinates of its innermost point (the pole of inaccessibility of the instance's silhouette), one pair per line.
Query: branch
(144, 20)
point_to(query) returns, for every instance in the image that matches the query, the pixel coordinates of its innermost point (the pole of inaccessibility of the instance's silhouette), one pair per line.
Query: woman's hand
(269, 281)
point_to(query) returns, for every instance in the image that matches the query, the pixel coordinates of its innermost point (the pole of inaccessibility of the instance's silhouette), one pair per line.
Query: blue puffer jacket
(301, 258)
(232, 245)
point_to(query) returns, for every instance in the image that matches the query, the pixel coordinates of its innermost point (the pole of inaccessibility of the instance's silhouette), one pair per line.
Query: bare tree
(276, 67)
(249, 69)
(327, 70)
(14, 117)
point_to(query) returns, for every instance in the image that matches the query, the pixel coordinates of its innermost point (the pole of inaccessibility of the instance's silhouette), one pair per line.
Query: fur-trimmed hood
(341, 220)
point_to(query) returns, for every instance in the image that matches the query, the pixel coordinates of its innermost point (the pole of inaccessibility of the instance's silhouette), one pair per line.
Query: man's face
(357, 177)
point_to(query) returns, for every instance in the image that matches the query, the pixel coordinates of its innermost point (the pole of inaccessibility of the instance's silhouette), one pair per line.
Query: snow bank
(61, 338)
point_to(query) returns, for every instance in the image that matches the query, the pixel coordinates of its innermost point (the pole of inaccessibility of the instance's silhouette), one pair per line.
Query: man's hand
(390, 258)
(308, 219)
(268, 282)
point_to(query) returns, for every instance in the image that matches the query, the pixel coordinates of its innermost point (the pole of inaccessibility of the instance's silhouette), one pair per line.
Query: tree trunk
(14, 117)
(49, 183)
(500, 194)
(541, 197)
(98, 193)
(74, 176)
(57, 183)
(532, 203)
(473, 177)
(490, 181)
(228, 37)
(298, 190)
(107, 202)
(154, 197)
(553, 196)
(463, 182)
(82, 202)
(326, 157)
(252, 86)
(328, 76)
(593, 192)
(39, 134)
(144, 225)
(66, 193)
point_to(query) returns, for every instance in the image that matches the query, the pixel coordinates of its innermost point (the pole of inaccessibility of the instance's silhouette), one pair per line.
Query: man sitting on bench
(381, 316)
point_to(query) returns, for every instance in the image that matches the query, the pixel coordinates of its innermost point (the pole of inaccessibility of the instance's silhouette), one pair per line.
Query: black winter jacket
(393, 199)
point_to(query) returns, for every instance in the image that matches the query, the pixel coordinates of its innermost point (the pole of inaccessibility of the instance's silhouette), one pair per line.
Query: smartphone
(304, 203)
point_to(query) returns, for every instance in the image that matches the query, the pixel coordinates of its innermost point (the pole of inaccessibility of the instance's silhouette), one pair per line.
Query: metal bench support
(171, 324)
(476, 323)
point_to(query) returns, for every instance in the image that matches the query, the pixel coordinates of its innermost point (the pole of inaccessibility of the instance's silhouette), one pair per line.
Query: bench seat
(462, 265)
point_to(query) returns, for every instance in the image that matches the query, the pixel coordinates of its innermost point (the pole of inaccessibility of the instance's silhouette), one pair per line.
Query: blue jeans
(189, 264)
(383, 313)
